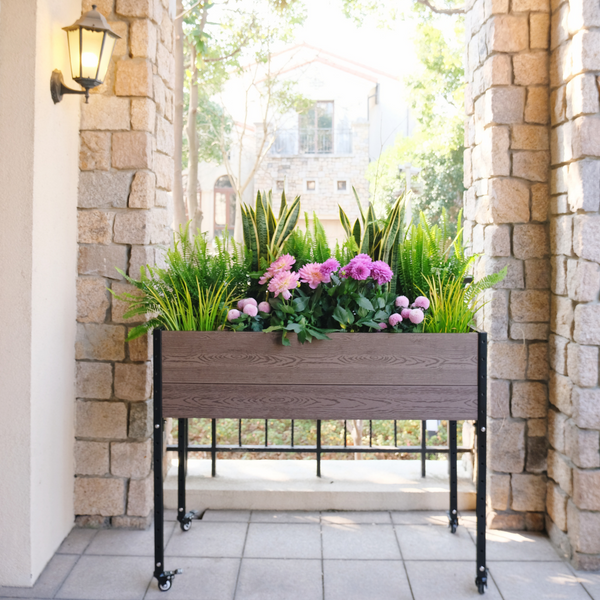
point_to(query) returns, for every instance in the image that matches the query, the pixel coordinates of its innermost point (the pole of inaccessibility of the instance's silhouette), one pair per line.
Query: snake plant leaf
(345, 221)
(282, 206)
(261, 221)
(360, 208)
(356, 232)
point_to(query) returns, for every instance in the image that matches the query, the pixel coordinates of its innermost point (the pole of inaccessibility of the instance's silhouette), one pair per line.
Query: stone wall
(124, 214)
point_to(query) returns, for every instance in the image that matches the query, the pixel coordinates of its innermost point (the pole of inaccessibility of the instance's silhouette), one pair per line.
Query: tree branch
(220, 58)
(442, 11)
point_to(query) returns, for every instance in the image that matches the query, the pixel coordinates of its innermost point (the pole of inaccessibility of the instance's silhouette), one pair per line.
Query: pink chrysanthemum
(405, 313)
(394, 319)
(283, 263)
(381, 272)
(421, 302)
(360, 271)
(329, 266)
(382, 326)
(282, 282)
(402, 302)
(416, 316)
(250, 310)
(242, 303)
(233, 314)
(311, 274)
(264, 307)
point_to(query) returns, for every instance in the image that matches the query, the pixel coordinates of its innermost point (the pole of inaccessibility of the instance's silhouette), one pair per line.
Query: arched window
(224, 206)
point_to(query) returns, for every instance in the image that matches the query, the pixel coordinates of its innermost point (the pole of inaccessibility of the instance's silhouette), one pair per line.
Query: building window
(280, 185)
(342, 185)
(224, 206)
(311, 185)
(315, 128)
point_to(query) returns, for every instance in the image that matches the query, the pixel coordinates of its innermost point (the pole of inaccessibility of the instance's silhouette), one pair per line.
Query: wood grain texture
(348, 358)
(276, 401)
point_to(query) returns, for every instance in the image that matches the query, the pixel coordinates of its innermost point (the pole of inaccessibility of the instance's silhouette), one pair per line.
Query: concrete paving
(293, 555)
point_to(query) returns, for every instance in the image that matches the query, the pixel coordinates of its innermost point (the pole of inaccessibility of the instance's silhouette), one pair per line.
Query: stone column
(124, 215)
(574, 417)
(506, 206)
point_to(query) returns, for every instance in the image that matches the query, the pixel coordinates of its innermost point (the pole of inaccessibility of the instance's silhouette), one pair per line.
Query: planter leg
(184, 518)
(213, 447)
(423, 447)
(481, 574)
(318, 448)
(453, 512)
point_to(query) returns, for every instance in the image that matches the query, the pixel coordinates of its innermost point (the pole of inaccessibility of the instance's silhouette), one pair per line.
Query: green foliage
(310, 245)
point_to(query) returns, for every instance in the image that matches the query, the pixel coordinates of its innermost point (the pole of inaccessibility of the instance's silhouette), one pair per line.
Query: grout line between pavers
(62, 583)
(237, 579)
(402, 559)
(322, 556)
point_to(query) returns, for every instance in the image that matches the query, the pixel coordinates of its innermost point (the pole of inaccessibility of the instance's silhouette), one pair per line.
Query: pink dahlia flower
(250, 310)
(264, 307)
(421, 302)
(416, 316)
(282, 282)
(381, 272)
(328, 267)
(382, 326)
(394, 319)
(312, 274)
(233, 314)
(402, 302)
(360, 271)
(405, 313)
(283, 263)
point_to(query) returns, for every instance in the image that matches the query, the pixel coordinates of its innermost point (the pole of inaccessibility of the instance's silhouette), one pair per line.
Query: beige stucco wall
(38, 198)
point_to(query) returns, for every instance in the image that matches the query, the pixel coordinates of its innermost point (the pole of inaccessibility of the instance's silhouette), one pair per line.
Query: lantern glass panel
(74, 54)
(91, 48)
(109, 45)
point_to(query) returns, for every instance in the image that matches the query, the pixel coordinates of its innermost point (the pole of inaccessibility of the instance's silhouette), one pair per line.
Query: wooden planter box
(352, 376)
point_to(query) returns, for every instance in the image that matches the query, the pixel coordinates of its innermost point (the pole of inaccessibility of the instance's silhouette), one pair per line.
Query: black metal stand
(453, 512)
(481, 574)
(184, 518)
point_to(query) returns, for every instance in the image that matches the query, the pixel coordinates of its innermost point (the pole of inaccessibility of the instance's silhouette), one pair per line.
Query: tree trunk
(178, 199)
(356, 433)
(194, 209)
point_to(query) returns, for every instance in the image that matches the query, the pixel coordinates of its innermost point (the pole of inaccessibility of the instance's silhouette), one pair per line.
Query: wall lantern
(91, 44)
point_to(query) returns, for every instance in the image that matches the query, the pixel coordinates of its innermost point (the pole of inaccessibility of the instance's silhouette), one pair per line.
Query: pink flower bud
(394, 319)
(421, 302)
(264, 307)
(382, 326)
(416, 316)
(402, 302)
(251, 310)
(242, 303)
(405, 312)
(251, 301)
(233, 314)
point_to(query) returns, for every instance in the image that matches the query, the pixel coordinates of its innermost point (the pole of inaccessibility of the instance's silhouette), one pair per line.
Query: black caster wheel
(481, 588)
(185, 525)
(452, 527)
(165, 585)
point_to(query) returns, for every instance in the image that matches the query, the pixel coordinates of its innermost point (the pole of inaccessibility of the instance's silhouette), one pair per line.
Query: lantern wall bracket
(58, 88)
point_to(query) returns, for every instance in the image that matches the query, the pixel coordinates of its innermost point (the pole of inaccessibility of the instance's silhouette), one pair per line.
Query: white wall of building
(38, 199)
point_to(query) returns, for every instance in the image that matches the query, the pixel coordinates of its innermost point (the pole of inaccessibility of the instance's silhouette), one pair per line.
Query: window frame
(229, 192)
(317, 129)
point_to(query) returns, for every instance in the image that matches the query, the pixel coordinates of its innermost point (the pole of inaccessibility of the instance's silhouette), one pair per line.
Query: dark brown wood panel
(319, 402)
(348, 358)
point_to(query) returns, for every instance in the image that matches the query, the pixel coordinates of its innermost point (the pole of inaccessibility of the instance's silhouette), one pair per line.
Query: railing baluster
(318, 448)
(266, 432)
(395, 433)
(345, 433)
(240, 433)
(370, 433)
(292, 433)
(423, 447)
(213, 449)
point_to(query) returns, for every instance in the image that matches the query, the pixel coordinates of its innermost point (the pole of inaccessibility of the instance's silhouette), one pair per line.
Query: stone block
(587, 324)
(140, 500)
(94, 227)
(559, 24)
(498, 392)
(94, 380)
(584, 529)
(161, 231)
(536, 107)
(491, 7)
(585, 51)
(586, 489)
(514, 276)
(586, 132)
(131, 459)
(529, 137)
(143, 39)
(529, 331)
(163, 199)
(143, 114)
(164, 137)
(134, 78)
(166, 64)
(529, 399)
(586, 407)
(497, 70)
(560, 388)
(561, 236)
(143, 190)
(530, 5)
(120, 307)
(99, 342)
(499, 490)
(507, 445)
(537, 427)
(586, 237)
(533, 166)
(582, 365)
(557, 352)
(507, 360)
(497, 240)
(140, 420)
(102, 260)
(100, 420)
(140, 348)
(539, 202)
(133, 381)
(92, 300)
(120, 28)
(561, 143)
(559, 180)
(537, 274)
(537, 367)
(561, 66)
(106, 113)
(558, 104)
(160, 92)
(560, 470)
(531, 68)
(530, 241)
(557, 424)
(164, 168)
(125, 522)
(133, 227)
(477, 238)
(528, 492)
(582, 95)
(509, 201)
(504, 105)
(496, 157)
(537, 451)
(91, 458)
(496, 314)
(99, 496)
(103, 6)
(582, 446)
(558, 205)
(506, 521)
(166, 31)
(584, 185)
(558, 275)
(556, 505)
(141, 256)
(94, 151)
(529, 306)
(99, 189)
(132, 150)
(508, 33)
(135, 8)
(539, 31)
(585, 562)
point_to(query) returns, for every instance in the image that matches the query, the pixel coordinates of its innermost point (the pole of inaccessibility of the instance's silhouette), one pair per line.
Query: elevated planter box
(352, 376)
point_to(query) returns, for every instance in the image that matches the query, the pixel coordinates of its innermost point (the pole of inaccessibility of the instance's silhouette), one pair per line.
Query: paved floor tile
(590, 581)
(170, 514)
(269, 540)
(48, 582)
(449, 580)
(366, 580)
(208, 539)
(270, 579)
(429, 542)
(518, 545)
(202, 579)
(108, 578)
(77, 541)
(241, 516)
(527, 580)
(355, 541)
(123, 542)
(290, 516)
(356, 517)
